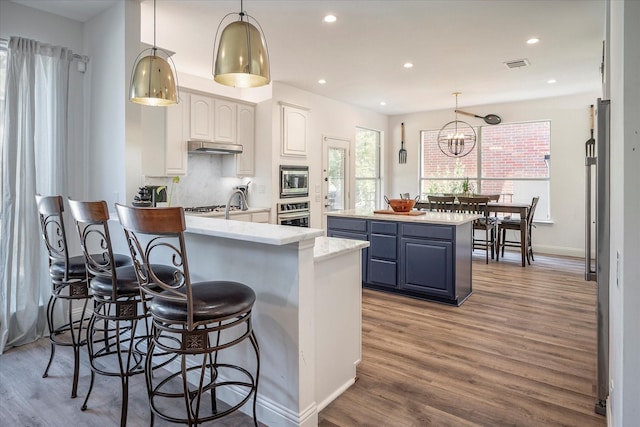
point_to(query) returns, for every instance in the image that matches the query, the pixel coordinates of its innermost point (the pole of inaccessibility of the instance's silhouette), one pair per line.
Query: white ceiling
(456, 46)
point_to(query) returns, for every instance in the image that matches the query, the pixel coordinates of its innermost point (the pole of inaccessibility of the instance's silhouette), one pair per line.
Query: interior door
(335, 171)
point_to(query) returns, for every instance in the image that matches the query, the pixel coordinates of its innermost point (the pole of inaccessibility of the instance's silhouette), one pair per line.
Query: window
(508, 159)
(367, 176)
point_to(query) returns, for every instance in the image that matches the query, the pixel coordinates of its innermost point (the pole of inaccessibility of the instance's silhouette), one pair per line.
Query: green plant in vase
(467, 187)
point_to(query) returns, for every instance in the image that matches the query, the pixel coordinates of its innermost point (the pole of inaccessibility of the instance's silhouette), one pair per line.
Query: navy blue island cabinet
(424, 260)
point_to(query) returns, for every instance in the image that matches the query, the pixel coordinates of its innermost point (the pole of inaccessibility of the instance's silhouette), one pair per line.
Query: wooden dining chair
(442, 203)
(487, 224)
(516, 224)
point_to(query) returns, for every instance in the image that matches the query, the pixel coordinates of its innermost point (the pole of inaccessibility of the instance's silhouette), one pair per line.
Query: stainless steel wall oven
(294, 181)
(296, 214)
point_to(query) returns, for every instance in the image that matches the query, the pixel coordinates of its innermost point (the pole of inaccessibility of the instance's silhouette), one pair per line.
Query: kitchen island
(424, 255)
(307, 315)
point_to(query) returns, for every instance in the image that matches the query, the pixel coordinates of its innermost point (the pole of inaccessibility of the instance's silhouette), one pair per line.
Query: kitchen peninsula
(307, 315)
(422, 254)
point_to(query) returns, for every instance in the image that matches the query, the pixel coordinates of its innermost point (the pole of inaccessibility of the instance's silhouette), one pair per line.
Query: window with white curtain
(367, 176)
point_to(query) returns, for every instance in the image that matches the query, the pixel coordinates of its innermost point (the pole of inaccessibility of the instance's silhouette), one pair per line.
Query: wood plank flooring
(519, 352)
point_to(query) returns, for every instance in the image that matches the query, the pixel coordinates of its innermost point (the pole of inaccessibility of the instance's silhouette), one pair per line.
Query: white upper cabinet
(177, 136)
(164, 143)
(294, 131)
(201, 118)
(225, 121)
(245, 162)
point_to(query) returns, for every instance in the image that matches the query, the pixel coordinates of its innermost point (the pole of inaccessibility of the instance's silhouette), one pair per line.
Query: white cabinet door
(245, 162)
(294, 131)
(164, 143)
(175, 162)
(201, 118)
(225, 121)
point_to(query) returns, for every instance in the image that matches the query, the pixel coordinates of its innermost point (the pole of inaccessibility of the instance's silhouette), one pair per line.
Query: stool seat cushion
(211, 300)
(78, 268)
(127, 281)
(510, 222)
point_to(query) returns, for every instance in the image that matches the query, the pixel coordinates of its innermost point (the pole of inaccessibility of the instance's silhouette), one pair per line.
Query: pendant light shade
(153, 80)
(241, 58)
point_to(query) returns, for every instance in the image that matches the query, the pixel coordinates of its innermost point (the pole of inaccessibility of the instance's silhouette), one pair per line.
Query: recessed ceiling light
(383, 103)
(322, 81)
(408, 65)
(329, 19)
(551, 81)
(533, 40)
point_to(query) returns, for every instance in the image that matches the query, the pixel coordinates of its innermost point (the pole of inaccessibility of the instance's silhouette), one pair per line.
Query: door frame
(337, 142)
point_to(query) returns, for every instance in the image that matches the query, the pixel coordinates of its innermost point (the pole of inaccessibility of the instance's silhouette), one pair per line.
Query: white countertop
(329, 247)
(445, 218)
(231, 213)
(269, 234)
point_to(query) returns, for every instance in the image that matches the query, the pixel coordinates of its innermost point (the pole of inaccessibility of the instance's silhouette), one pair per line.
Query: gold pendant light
(456, 138)
(241, 58)
(153, 80)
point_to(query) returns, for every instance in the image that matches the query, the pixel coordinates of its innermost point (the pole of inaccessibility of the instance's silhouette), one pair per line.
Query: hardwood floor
(519, 352)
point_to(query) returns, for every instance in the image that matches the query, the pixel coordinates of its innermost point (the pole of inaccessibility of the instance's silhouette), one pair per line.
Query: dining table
(498, 208)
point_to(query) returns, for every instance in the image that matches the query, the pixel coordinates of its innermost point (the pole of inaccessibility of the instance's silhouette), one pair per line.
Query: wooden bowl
(402, 205)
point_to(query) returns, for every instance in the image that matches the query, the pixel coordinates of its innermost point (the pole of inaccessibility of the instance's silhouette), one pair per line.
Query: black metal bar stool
(195, 320)
(116, 343)
(69, 281)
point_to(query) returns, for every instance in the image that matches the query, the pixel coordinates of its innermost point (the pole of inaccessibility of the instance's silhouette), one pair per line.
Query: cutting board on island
(390, 212)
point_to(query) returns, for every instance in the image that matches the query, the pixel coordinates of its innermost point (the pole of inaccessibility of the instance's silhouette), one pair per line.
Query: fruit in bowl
(401, 205)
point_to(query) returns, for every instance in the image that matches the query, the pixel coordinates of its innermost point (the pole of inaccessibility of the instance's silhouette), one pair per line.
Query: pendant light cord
(154, 25)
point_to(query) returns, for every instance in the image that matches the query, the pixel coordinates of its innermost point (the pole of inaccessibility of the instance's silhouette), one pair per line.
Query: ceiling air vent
(518, 63)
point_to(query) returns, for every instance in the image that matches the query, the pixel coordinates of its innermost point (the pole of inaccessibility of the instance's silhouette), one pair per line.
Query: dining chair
(516, 224)
(442, 203)
(487, 224)
(196, 321)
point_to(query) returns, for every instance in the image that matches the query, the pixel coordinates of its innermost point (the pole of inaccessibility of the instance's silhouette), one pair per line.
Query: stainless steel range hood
(208, 147)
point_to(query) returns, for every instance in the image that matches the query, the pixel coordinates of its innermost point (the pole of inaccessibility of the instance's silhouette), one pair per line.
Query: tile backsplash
(203, 185)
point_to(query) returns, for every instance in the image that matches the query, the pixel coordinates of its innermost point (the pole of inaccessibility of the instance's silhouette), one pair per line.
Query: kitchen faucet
(243, 202)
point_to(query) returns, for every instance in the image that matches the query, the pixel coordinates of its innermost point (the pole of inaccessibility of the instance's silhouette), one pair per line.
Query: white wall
(327, 117)
(625, 205)
(569, 116)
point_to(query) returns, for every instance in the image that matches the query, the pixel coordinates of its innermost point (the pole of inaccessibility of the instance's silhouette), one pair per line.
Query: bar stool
(69, 282)
(116, 344)
(194, 320)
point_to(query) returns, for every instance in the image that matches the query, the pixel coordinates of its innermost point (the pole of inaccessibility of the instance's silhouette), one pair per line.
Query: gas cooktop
(212, 208)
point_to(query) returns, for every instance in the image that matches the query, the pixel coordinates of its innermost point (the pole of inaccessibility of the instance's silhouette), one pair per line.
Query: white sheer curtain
(33, 161)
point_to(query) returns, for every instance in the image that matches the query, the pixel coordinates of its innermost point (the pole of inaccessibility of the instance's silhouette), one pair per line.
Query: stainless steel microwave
(294, 181)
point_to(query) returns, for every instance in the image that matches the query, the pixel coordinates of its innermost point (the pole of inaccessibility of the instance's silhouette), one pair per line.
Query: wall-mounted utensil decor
(490, 119)
(402, 154)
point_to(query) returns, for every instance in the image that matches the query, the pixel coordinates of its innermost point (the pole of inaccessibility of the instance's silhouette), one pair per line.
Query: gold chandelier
(241, 58)
(153, 80)
(456, 138)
